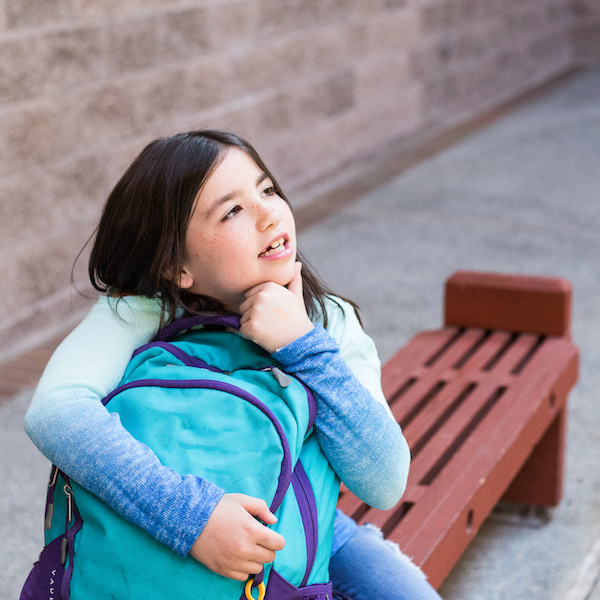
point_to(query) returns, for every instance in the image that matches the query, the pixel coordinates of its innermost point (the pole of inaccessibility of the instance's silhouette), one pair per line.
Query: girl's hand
(233, 543)
(274, 316)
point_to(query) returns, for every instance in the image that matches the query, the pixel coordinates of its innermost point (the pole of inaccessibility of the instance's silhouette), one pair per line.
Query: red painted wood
(484, 413)
(509, 302)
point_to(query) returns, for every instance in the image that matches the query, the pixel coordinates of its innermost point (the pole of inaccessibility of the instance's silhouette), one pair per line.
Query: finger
(237, 575)
(255, 289)
(268, 539)
(244, 309)
(265, 537)
(258, 508)
(259, 555)
(249, 567)
(271, 540)
(295, 285)
(242, 568)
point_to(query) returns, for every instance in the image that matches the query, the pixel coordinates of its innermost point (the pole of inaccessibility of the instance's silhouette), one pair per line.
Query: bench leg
(540, 480)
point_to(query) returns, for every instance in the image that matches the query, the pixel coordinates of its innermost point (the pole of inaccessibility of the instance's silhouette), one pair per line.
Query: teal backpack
(213, 404)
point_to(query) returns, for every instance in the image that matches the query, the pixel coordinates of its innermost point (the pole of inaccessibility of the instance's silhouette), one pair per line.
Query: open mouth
(276, 246)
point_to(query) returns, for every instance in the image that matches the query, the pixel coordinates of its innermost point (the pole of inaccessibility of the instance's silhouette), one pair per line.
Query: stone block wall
(585, 34)
(475, 53)
(316, 85)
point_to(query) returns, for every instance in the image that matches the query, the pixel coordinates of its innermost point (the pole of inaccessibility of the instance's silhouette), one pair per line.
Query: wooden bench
(482, 403)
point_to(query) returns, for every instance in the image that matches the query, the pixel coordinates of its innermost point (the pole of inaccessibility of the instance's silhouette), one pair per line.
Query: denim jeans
(368, 567)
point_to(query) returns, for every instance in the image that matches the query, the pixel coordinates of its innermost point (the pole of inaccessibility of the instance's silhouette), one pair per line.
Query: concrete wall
(315, 85)
(586, 32)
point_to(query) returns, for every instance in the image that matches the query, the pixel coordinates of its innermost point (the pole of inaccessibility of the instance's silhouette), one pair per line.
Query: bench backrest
(517, 303)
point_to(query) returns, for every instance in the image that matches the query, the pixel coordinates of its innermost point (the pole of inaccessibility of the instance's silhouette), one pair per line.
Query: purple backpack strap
(70, 547)
(184, 357)
(51, 575)
(280, 589)
(307, 504)
(172, 329)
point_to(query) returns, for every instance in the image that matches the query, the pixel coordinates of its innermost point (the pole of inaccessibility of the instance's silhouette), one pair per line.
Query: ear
(186, 280)
(183, 279)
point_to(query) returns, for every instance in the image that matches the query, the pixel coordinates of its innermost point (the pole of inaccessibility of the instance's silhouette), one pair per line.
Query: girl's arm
(71, 427)
(69, 424)
(354, 425)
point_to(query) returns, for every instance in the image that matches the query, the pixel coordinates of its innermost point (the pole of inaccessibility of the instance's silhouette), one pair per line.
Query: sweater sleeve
(69, 424)
(353, 425)
(357, 349)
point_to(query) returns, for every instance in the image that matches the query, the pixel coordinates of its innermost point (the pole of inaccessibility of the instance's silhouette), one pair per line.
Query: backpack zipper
(286, 464)
(282, 378)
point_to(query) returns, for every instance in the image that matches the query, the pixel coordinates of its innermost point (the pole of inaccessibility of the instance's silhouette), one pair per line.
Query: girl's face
(241, 233)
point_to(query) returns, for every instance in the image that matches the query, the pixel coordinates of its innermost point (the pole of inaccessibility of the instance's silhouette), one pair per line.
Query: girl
(199, 224)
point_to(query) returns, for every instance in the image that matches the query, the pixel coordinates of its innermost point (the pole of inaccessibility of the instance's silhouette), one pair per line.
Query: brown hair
(141, 235)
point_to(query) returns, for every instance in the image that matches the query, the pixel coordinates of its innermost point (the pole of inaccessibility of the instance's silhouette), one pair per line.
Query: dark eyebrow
(219, 201)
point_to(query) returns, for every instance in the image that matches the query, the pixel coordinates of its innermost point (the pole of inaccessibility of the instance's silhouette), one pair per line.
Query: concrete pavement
(521, 195)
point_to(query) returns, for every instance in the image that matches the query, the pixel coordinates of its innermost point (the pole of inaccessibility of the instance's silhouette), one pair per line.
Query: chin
(284, 280)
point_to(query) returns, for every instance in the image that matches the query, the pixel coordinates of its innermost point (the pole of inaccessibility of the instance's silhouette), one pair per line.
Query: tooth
(274, 247)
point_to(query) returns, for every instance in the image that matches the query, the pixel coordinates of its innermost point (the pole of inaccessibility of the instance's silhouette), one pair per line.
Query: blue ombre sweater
(69, 424)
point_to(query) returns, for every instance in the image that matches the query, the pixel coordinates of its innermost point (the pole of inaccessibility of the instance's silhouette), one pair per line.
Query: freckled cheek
(222, 252)
(214, 250)
(202, 253)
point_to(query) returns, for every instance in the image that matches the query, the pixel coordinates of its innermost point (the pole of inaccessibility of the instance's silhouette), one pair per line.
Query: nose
(268, 216)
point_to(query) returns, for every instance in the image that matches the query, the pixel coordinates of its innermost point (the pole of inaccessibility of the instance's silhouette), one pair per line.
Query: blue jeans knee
(368, 567)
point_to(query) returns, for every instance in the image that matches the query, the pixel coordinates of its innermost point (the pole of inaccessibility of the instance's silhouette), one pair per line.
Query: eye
(234, 210)
(269, 191)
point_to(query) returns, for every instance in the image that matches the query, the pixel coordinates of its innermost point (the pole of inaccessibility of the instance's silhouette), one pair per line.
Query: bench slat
(493, 345)
(482, 403)
(474, 404)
